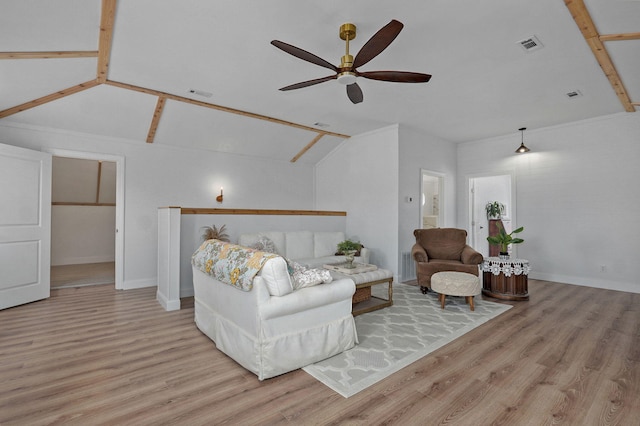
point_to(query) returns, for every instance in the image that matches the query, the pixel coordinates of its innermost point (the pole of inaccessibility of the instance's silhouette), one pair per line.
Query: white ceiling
(484, 84)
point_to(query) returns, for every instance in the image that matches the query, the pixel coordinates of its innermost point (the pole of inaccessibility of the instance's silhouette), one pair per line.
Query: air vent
(200, 93)
(530, 44)
(574, 94)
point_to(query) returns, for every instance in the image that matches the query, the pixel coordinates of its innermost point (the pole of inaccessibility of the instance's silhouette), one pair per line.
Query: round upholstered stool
(456, 284)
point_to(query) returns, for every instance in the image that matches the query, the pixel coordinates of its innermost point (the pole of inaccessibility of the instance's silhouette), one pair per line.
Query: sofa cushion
(326, 243)
(299, 244)
(276, 276)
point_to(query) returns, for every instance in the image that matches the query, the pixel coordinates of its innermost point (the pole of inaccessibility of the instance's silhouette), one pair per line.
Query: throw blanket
(230, 263)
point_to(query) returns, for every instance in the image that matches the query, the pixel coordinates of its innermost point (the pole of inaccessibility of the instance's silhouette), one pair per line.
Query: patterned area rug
(394, 337)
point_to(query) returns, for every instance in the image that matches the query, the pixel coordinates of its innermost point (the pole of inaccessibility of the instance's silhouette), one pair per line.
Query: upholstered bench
(455, 284)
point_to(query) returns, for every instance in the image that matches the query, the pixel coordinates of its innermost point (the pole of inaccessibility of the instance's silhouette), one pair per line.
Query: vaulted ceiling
(203, 74)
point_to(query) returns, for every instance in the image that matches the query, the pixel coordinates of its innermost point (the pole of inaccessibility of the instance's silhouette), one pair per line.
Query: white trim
(141, 283)
(120, 176)
(82, 260)
(167, 304)
(585, 282)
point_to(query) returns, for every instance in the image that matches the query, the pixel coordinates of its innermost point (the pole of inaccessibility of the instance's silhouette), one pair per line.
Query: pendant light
(522, 149)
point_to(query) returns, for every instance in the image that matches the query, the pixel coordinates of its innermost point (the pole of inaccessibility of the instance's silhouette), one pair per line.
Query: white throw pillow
(275, 274)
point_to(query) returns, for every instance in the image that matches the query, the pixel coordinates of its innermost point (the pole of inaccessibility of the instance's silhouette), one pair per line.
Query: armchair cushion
(445, 243)
(470, 256)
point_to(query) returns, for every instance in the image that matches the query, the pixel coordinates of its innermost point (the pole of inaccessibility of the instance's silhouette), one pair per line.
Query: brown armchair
(442, 249)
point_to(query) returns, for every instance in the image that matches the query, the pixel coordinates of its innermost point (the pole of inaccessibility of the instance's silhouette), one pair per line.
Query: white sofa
(309, 248)
(271, 329)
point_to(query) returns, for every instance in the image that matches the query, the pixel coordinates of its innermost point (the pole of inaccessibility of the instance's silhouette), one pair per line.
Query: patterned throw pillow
(302, 277)
(265, 244)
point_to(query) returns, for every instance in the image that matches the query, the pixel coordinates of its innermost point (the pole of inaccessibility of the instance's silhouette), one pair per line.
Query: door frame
(119, 232)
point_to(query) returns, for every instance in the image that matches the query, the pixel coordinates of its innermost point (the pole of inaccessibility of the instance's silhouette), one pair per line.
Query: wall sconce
(219, 197)
(522, 149)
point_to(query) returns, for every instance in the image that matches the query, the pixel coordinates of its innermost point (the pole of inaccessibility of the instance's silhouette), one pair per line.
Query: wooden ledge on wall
(200, 210)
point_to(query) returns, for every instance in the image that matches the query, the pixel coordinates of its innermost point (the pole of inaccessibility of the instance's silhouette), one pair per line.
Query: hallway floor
(63, 276)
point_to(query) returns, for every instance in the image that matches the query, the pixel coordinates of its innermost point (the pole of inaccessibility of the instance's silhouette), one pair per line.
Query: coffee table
(363, 300)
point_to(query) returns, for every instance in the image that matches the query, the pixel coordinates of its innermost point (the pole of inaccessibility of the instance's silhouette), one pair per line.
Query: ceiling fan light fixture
(522, 148)
(347, 78)
(347, 72)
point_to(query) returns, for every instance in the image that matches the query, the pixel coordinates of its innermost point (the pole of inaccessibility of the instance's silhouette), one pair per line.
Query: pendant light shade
(522, 148)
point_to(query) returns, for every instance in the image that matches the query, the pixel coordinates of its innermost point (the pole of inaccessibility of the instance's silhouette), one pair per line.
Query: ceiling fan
(347, 72)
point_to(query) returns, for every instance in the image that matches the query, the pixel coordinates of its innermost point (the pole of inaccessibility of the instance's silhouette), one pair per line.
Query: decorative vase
(503, 255)
(349, 256)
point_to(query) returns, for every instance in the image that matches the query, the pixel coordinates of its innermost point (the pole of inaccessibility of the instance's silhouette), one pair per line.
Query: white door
(25, 225)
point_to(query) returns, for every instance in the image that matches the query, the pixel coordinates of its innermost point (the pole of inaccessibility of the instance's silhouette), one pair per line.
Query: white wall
(82, 234)
(423, 151)
(361, 178)
(158, 175)
(577, 198)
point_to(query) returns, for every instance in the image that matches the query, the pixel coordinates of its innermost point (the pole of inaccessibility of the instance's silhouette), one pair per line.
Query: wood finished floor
(83, 274)
(94, 355)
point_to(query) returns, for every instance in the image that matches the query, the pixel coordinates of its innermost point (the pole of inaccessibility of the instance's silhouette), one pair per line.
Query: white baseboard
(142, 283)
(82, 260)
(587, 282)
(168, 305)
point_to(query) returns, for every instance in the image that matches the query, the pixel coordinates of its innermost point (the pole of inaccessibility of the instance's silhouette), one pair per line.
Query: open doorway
(83, 194)
(483, 190)
(86, 219)
(431, 203)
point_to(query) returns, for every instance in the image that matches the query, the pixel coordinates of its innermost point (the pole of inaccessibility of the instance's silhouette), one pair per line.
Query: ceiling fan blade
(354, 92)
(309, 83)
(378, 42)
(303, 54)
(396, 76)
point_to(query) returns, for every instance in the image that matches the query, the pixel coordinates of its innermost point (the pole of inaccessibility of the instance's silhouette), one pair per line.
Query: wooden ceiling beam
(221, 108)
(49, 55)
(308, 147)
(156, 119)
(48, 98)
(622, 36)
(107, 17)
(583, 19)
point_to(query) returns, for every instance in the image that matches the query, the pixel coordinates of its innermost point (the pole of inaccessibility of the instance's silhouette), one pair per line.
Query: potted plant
(494, 209)
(213, 233)
(503, 239)
(349, 249)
